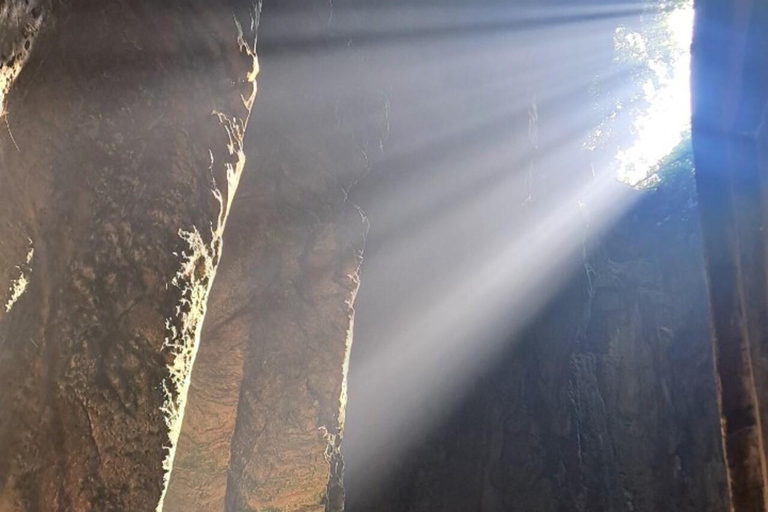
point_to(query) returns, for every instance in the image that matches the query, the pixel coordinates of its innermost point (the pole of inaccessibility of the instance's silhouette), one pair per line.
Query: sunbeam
(488, 219)
(383, 256)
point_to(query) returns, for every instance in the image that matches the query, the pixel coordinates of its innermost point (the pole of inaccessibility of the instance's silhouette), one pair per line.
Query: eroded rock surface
(121, 157)
(266, 408)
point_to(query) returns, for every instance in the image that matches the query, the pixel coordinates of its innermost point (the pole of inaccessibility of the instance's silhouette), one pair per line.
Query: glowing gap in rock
(661, 127)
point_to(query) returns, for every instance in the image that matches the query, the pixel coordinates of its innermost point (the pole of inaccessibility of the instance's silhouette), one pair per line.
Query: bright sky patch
(663, 124)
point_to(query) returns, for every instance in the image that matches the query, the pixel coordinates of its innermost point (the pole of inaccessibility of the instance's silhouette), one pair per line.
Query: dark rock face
(607, 402)
(127, 123)
(730, 135)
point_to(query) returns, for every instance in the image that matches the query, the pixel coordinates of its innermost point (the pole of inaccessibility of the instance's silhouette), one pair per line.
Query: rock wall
(266, 409)
(125, 143)
(119, 160)
(730, 107)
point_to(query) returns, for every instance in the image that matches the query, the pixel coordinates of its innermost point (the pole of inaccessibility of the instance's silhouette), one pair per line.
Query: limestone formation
(120, 155)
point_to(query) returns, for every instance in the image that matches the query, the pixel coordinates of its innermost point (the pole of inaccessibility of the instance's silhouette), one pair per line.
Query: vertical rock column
(122, 152)
(266, 409)
(729, 69)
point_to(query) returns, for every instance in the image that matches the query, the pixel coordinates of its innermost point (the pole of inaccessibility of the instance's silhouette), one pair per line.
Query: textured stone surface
(730, 106)
(20, 24)
(127, 121)
(265, 414)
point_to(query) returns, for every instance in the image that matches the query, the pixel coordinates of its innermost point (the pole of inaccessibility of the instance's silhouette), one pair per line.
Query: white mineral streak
(19, 285)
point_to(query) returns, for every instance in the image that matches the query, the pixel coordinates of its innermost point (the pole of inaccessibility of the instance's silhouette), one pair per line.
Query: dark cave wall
(122, 152)
(606, 402)
(729, 69)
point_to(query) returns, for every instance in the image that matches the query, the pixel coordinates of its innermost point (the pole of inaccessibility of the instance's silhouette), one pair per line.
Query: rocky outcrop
(125, 143)
(122, 153)
(606, 402)
(265, 416)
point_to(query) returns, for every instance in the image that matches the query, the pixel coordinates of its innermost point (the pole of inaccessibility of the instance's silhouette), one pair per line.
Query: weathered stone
(266, 410)
(729, 68)
(127, 123)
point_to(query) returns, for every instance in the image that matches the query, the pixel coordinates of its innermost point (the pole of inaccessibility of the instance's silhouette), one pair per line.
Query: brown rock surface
(121, 157)
(265, 415)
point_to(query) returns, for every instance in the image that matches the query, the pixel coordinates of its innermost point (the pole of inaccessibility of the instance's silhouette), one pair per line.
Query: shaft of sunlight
(436, 357)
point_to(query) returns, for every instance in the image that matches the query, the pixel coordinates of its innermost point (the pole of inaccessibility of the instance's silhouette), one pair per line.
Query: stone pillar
(730, 106)
(121, 150)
